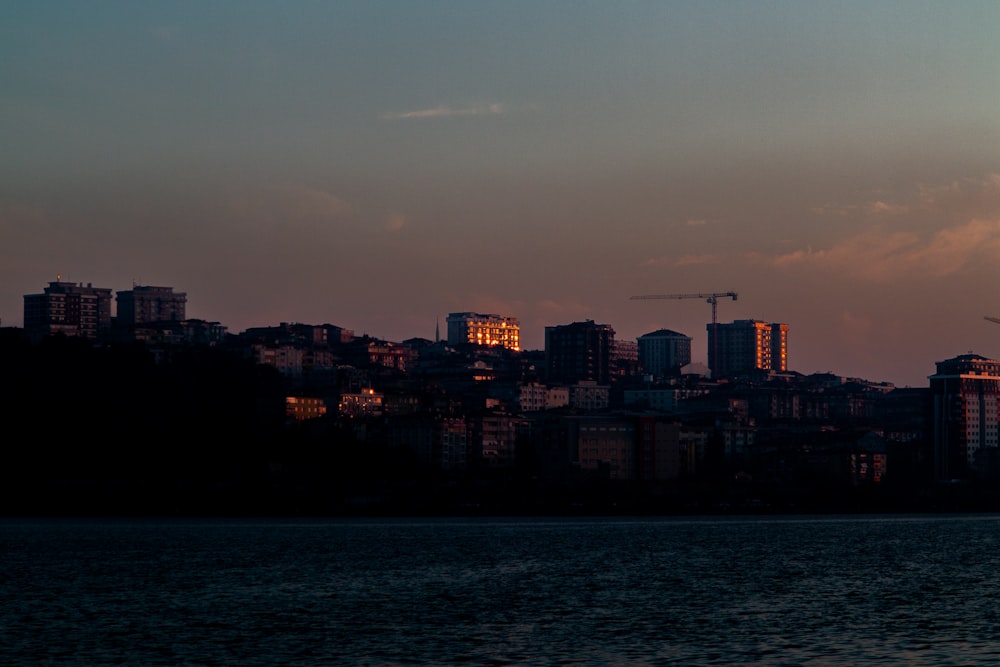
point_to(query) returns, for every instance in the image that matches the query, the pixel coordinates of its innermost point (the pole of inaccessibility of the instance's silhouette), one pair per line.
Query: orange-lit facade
(365, 403)
(480, 329)
(301, 408)
(747, 345)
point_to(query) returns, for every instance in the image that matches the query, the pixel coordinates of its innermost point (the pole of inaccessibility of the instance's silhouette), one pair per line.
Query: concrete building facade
(147, 304)
(664, 352)
(745, 346)
(965, 392)
(480, 329)
(73, 309)
(577, 352)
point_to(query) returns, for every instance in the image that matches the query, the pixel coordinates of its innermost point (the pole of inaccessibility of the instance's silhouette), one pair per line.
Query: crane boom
(710, 297)
(992, 319)
(713, 295)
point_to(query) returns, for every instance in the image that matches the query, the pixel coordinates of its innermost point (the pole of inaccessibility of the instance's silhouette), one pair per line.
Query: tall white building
(966, 400)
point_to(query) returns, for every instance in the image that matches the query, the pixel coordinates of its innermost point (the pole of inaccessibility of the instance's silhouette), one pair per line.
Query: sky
(377, 165)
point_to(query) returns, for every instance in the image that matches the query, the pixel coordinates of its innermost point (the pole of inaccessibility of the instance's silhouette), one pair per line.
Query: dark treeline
(123, 430)
(116, 430)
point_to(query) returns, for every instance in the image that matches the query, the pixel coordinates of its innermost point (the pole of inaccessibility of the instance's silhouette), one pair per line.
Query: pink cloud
(885, 255)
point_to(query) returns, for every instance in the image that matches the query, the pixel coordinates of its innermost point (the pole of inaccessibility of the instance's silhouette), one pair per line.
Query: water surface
(710, 591)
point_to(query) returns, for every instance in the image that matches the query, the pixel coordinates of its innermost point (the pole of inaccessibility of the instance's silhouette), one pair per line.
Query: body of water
(886, 590)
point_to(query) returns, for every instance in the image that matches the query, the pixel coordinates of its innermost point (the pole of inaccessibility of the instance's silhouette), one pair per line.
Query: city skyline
(378, 165)
(491, 329)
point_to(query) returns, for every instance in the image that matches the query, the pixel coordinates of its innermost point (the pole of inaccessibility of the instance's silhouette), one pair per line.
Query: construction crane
(711, 298)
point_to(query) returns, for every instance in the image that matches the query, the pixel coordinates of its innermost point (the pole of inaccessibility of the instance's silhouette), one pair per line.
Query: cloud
(684, 260)
(694, 260)
(876, 207)
(830, 209)
(937, 231)
(962, 198)
(881, 255)
(447, 112)
(286, 203)
(971, 196)
(310, 203)
(395, 222)
(883, 208)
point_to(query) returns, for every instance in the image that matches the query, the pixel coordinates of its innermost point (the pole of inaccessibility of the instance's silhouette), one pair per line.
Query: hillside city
(149, 412)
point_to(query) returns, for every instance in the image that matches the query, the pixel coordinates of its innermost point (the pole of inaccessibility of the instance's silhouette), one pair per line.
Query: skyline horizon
(695, 362)
(837, 164)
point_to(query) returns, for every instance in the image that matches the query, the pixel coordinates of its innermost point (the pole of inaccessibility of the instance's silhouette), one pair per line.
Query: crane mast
(710, 298)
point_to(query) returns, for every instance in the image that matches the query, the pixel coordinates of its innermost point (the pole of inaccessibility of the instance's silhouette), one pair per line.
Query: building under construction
(745, 346)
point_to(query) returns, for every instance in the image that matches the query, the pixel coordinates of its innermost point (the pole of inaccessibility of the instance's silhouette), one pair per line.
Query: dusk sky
(378, 165)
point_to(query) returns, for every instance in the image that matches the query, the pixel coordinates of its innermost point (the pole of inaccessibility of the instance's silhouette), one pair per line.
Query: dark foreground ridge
(116, 430)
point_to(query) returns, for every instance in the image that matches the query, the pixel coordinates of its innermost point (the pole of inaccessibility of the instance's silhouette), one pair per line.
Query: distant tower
(664, 352)
(966, 398)
(747, 345)
(146, 304)
(68, 308)
(437, 330)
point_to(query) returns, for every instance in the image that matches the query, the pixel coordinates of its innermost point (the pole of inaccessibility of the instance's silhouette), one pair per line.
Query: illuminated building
(479, 329)
(365, 403)
(301, 408)
(579, 351)
(365, 352)
(68, 308)
(746, 346)
(966, 403)
(664, 352)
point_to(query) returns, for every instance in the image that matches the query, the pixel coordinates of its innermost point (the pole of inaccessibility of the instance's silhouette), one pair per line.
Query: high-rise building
(745, 346)
(479, 329)
(578, 352)
(68, 308)
(146, 304)
(966, 401)
(664, 352)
